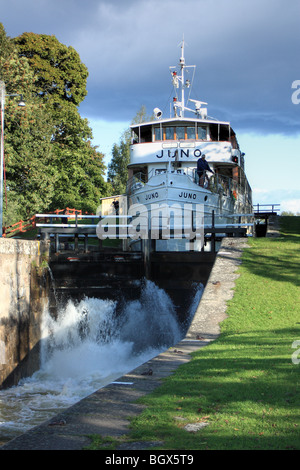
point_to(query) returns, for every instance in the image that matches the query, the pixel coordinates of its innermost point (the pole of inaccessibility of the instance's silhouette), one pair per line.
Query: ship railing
(227, 186)
(216, 183)
(136, 182)
(82, 227)
(266, 209)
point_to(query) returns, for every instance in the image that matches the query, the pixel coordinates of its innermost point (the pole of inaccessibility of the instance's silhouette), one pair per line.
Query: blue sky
(247, 58)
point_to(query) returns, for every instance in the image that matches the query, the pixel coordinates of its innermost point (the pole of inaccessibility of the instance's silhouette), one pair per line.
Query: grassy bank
(245, 385)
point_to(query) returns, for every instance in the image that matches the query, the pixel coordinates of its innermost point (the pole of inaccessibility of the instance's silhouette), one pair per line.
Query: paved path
(106, 411)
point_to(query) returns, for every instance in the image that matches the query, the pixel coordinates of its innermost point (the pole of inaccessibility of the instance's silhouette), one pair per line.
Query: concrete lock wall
(23, 295)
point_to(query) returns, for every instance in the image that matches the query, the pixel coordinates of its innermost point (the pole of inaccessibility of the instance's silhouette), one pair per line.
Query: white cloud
(291, 205)
(244, 51)
(245, 54)
(289, 200)
(259, 191)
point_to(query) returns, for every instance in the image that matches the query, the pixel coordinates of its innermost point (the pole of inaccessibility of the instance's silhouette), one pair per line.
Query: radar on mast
(198, 110)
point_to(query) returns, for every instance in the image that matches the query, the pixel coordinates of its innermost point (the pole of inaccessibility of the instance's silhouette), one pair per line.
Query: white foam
(88, 346)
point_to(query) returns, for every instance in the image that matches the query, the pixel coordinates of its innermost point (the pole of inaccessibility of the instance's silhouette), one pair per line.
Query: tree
(6, 45)
(117, 168)
(60, 83)
(30, 174)
(79, 165)
(30, 179)
(289, 213)
(59, 73)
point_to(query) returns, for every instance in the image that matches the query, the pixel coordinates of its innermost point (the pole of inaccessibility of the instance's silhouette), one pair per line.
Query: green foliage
(289, 213)
(79, 165)
(49, 157)
(30, 174)
(6, 46)
(29, 178)
(61, 84)
(117, 168)
(60, 75)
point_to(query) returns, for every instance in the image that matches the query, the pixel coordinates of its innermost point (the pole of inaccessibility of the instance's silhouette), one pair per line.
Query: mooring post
(146, 247)
(213, 235)
(56, 242)
(76, 242)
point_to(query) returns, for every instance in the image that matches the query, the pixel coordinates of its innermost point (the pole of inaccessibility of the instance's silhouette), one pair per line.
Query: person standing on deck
(202, 167)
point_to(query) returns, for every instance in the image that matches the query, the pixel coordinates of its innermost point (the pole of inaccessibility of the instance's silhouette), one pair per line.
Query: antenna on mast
(182, 64)
(182, 61)
(179, 82)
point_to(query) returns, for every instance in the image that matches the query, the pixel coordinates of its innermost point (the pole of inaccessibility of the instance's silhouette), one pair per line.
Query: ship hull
(177, 210)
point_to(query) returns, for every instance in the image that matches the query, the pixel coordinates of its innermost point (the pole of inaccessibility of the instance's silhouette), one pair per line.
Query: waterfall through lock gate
(88, 346)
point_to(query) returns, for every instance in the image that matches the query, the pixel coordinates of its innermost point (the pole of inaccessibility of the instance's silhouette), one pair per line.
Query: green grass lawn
(244, 385)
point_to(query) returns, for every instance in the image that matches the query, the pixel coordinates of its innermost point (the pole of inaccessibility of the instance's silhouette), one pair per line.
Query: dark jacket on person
(202, 166)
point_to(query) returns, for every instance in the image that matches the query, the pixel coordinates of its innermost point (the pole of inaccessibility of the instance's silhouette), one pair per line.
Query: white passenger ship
(163, 168)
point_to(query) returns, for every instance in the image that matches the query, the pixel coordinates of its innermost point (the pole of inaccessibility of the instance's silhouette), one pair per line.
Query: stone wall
(23, 295)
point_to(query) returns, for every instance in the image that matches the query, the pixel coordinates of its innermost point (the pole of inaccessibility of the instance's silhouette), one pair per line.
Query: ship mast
(182, 65)
(179, 81)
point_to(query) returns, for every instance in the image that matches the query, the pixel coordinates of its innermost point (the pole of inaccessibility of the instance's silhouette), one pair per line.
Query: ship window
(146, 134)
(134, 137)
(202, 133)
(214, 132)
(219, 132)
(180, 133)
(169, 133)
(224, 132)
(158, 133)
(190, 133)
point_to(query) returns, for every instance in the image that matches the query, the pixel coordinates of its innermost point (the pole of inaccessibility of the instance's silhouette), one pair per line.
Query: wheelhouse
(183, 131)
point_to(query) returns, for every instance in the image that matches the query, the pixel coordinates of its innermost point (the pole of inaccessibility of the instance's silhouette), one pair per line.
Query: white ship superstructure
(163, 167)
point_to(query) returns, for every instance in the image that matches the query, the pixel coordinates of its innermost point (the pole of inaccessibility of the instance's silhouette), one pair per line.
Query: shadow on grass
(279, 258)
(246, 388)
(290, 226)
(276, 266)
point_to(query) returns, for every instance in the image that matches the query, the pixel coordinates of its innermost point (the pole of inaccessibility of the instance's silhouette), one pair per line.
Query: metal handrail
(76, 225)
(217, 183)
(265, 205)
